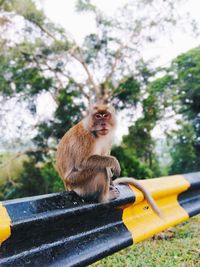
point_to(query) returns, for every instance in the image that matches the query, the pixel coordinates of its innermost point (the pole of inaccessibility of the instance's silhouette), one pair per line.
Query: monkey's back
(73, 148)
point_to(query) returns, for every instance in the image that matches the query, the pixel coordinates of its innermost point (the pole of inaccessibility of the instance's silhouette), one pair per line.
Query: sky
(79, 25)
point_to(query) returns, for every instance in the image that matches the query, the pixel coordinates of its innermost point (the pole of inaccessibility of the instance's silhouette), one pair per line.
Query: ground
(177, 247)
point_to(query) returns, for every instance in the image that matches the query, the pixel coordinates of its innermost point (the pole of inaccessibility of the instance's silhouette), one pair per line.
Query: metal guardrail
(62, 230)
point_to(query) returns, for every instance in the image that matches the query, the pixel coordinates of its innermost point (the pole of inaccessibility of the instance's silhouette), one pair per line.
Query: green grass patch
(181, 249)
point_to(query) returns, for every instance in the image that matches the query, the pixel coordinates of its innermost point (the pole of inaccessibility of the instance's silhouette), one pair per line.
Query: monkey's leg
(110, 191)
(102, 184)
(79, 178)
(109, 175)
(92, 185)
(113, 191)
(88, 184)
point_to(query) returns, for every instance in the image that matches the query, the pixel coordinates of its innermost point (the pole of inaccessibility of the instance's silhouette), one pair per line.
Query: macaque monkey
(84, 161)
(83, 156)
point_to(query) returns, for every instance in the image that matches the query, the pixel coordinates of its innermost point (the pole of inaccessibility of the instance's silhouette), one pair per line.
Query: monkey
(83, 155)
(84, 161)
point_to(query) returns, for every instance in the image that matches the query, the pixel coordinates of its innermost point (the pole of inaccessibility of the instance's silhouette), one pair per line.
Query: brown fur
(84, 162)
(83, 156)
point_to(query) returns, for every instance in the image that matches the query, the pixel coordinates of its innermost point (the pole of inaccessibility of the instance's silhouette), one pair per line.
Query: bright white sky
(79, 25)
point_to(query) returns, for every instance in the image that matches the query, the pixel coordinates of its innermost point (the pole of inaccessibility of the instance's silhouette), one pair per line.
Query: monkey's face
(102, 119)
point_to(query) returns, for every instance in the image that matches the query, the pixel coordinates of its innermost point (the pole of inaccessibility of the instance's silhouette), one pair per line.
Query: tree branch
(83, 63)
(73, 54)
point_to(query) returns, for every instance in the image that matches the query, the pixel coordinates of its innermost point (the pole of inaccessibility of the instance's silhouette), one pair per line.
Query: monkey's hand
(116, 166)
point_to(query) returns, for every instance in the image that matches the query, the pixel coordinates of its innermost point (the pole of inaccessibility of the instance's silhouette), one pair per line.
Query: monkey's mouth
(103, 131)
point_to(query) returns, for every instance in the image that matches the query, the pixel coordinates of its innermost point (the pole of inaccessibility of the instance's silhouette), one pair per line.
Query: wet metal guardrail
(62, 230)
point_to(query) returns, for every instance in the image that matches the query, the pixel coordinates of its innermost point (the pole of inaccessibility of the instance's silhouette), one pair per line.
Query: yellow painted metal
(5, 223)
(139, 218)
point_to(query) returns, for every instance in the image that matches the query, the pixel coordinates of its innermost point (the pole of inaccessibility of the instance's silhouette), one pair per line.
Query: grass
(179, 247)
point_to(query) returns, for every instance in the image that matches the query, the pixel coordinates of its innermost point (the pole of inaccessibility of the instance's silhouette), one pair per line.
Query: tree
(24, 79)
(184, 154)
(180, 90)
(108, 66)
(139, 141)
(33, 180)
(131, 165)
(104, 58)
(187, 68)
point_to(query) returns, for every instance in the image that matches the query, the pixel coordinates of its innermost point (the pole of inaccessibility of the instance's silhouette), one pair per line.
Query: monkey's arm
(88, 170)
(98, 162)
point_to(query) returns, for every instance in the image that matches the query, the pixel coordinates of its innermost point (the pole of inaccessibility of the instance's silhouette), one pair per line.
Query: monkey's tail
(147, 195)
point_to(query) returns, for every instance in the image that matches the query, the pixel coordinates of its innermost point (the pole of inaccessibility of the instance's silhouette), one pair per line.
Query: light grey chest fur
(103, 145)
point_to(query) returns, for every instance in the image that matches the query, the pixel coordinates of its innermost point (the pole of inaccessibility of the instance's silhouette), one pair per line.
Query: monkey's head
(101, 119)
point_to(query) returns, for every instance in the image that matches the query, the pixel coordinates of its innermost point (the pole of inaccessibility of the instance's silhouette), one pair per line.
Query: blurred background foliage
(112, 69)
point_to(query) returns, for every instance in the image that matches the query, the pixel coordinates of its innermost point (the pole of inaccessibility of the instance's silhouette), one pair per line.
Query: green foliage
(84, 5)
(139, 140)
(43, 64)
(128, 92)
(130, 164)
(31, 79)
(57, 48)
(29, 183)
(66, 115)
(187, 69)
(160, 85)
(5, 87)
(68, 112)
(92, 45)
(50, 175)
(185, 157)
(34, 180)
(27, 70)
(25, 8)
(18, 76)
(179, 89)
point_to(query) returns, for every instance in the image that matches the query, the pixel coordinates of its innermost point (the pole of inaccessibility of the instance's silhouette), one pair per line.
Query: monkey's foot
(112, 187)
(113, 192)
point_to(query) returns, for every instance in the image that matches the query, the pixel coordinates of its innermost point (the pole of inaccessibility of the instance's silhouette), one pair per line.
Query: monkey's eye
(98, 115)
(106, 115)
